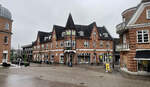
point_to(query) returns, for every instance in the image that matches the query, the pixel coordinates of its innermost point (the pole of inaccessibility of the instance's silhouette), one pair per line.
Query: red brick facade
(5, 46)
(57, 52)
(136, 20)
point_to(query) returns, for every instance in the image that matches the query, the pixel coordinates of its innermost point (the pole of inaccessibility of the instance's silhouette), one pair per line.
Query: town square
(73, 43)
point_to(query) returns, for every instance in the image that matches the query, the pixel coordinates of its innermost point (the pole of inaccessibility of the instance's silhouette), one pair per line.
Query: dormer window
(81, 33)
(73, 32)
(45, 38)
(7, 26)
(68, 32)
(148, 14)
(105, 34)
(50, 37)
(63, 34)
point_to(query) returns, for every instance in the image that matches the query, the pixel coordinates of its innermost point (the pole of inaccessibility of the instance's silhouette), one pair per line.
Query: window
(68, 32)
(148, 14)
(73, 32)
(94, 33)
(107, 45)
(101, 44)
(142, 36)
(68, 43)
(7, 26)
(94, 44)
(105, 34)
(6, 40)
(56, 45)
(42, 46)
(46, 46)
(61, 44)
(63, 34)
(81, 33)
(86, 44)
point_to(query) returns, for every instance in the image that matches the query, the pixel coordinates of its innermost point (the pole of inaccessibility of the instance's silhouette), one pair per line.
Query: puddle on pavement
(29, 81)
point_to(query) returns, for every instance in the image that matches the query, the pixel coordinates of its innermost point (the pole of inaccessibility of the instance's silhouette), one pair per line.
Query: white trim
(135, 73)
(57, 50)
(94, 49)
(141, 59)
(5, 51)
(138, 13)
(130, 9)
(141, 49)
(147, 14)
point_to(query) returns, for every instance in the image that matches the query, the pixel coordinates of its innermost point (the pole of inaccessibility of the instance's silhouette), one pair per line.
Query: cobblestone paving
(61, 76)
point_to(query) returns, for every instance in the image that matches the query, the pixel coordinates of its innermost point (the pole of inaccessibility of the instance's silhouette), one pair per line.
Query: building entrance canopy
(142, 55)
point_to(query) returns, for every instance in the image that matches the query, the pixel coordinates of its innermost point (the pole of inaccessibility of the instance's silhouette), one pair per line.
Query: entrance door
(5, 57)
(61, 59)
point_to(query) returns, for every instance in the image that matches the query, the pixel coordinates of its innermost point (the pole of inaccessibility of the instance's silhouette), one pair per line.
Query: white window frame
(148, 14)
(142, 36)
(101, 44)
(86, 44)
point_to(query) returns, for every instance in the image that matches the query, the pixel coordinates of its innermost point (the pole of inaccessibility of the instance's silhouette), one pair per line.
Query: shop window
(143, 36)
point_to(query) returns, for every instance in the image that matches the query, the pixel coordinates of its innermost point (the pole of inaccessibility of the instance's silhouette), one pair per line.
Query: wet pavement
(61, 76)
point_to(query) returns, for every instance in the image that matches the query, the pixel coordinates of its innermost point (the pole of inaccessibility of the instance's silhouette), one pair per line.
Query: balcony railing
(121, 27)
(122, 47)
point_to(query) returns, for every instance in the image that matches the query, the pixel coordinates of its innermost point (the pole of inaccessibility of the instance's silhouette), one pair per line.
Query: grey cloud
(32, 15)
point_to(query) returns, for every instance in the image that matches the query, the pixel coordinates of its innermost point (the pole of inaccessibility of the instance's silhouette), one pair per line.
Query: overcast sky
(30, 16)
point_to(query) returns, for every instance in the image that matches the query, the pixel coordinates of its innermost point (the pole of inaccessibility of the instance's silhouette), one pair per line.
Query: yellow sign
(107, 67)
(101, 57)
(110, 57)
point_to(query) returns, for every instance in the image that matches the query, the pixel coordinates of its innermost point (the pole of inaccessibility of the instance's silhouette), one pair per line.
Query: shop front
(83, 58)
(143, 60)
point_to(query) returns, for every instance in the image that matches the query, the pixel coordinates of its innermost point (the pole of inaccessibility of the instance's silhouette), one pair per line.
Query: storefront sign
(107, 67)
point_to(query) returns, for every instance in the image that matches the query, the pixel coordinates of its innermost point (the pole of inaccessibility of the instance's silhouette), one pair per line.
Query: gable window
(7, 26)
(94, 33)
(101, 44)
(94, 44)
(143, 36)
(86, 44)
(148, 14)
(6, 40)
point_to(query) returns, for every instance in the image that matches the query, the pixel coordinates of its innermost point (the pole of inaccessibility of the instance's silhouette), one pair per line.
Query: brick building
(74, 43)
(134, 34)
(27, 52)
(5, 34)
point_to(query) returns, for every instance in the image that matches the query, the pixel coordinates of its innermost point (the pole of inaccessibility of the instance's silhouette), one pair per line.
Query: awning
(142, 55)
